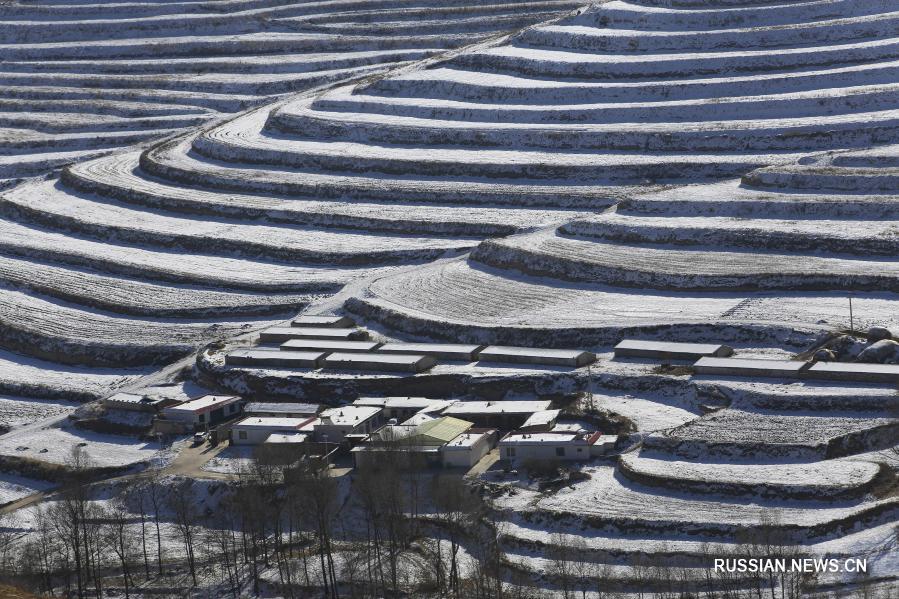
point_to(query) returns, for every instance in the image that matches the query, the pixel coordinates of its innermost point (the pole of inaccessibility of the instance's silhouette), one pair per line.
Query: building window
(202, 418)
(560, 452)
(510, 452)
(241, 434)
(580, 449)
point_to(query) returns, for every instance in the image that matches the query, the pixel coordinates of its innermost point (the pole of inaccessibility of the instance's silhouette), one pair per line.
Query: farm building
(138, 403)
(504, 415)
(537, 356)
(323, 321)
(203, 411)
(273, 358)
(423, 441)
(281, 410)
(750, 367)
(336, 423)
(255, 430)
(854, 371)
(542, 421)
(403, 408)
(665, 350)
(467, 449)
(328, 346)
(547, 446)
(441, 351)
(379, 362)
(297, 438)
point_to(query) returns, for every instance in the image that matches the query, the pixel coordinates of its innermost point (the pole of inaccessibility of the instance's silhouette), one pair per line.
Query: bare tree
(117, 538)
(182, 503)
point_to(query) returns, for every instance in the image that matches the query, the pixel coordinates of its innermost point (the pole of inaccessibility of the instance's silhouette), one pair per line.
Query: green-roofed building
(440, 431)
(421, 442)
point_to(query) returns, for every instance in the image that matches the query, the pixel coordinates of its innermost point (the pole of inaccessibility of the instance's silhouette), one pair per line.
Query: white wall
(254, 436)
(468, 457)
(544, 451)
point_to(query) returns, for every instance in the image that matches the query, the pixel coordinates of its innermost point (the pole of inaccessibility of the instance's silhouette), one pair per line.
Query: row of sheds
(716, 359)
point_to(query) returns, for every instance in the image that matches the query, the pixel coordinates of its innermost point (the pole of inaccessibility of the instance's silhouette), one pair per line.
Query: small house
(281, 409)
(204, 411)
(519, 446)
(255, 430)
(138, 403)
(467, 449)
(336, 423)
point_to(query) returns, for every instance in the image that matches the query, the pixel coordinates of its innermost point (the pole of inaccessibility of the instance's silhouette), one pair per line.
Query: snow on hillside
(80, 80)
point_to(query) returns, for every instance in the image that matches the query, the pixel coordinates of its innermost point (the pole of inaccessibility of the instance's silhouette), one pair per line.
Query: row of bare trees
(393, 529)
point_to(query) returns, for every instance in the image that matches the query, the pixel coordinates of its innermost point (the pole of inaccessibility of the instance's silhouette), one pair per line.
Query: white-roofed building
(541, 421)
(255, 430)
(281, 409)
(336, 423)
(467, 449)
(403, 408)
(520, 446)
(204, 411)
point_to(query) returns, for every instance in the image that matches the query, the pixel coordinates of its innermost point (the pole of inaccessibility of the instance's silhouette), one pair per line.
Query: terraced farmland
(81, 79)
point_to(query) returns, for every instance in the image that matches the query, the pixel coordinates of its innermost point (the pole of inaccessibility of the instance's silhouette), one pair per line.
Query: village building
(753, 367)
(519, 446)
(539, 422)
(138, 403)
(282, 410)
(536, 356)
(407, 442)
(666, 350)
(255, 430)
(469, 448)
(323, 321)
(504, 415)
(335, 424)
(204, 411)
(403, 408)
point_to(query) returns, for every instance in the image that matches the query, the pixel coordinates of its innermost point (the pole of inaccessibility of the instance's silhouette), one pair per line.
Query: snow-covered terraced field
(82, 79)
(15, 411)
(610, 502)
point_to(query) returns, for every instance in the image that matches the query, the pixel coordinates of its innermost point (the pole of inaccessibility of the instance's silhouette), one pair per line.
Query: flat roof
(281, 408)
(322, 320)
(534, 438)
(497, 407)
(271, 422)
(751, 363)
(273, 357)
(541, 418)
(204, 403)
(850, 367)
(397, 402)
(296, 437)
(512, 350)
(670, 346)
(348, 415)
(326, 332)
(466, 440)
(125, 398)
(447, 351)
(284, 333)
(329, 345)
(404, 362)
